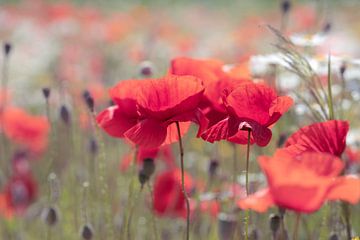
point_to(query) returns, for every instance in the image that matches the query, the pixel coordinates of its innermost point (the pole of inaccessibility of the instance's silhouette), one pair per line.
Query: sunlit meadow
(179, 119)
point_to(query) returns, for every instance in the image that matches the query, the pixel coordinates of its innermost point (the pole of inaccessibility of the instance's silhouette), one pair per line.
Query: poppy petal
(346, 188)
(260, 201)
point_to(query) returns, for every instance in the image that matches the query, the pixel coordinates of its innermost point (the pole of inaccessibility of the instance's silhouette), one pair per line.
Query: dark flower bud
(213, 166)
(285, 6)
(93, 146)
(143, 178)
(254, 234)
(333, 236)
(7, 48)
(65, 114)
(282, 139)
(89, 100)
(46, 92)
(342, 69)
(87, 232)
(50, 216)
(146, 69)
(227, 225)
(148, 166)
(274, 222)
(327, 27)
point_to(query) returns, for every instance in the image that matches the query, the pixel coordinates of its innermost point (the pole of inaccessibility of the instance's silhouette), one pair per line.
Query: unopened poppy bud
(327, 27)
(342, 69)
(46, 92)
(333, 236)
(227, 225)
(93, 146)
(146, 69)
(89, 100)
(213, 166)
(50, 216)
(148, 166)
(281, 140)
(7, 48)
(254, 234)
(143, 178)
(65, 114)
(87, 232)
(285, 6)
(274, 222)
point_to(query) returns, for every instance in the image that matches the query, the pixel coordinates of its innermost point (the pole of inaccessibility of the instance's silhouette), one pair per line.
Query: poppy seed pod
(143, 178)
(148, 167)
(50, 216)
(7, 48)
(87, 232)
(65, 114)
(285, 6)
(46, 92)
(274, 222)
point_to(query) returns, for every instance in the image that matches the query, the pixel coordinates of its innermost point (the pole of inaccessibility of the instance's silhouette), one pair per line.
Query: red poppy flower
(146, 110)
(216, 77)
(302, 183)
(164, 152)
(328, 137)
(168, 196)
(19, 193)
(26, 130)
(252, 107)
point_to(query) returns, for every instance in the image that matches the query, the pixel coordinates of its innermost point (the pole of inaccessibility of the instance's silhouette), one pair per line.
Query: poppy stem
(296, 228)
(346, 214)
(234, 173)
(153, 220)
(183, 183)
(330, 100)
(247, 213)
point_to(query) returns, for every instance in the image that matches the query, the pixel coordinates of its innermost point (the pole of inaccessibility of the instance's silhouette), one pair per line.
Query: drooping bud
(50, 216)
(327, 27)
(333, 236)
(93, 146)
(213, 166)
(342, 69)
(7, 48)
(46, 92)
(227, 226)
(148, 167)
(146, 69)
(254, 234)
(89, 100)
(275, 221)
(281, 140)
(143, 178)
(87, 232)
(285, 6)
(65, 114)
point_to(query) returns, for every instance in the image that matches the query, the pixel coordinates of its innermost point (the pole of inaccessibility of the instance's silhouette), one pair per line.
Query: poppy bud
(46, 92)
(342, 69)
(148, 166)
(89, 100)
(227, 225)
(146, 69)
(327, 27)
(65, 114)
(213, 166)
(281, 140)
(333, 236)
(50, 216)
(274, 223)
(87, 232)
(285, 6)
(7, 48)
(254, 234)
(143, 178)
(93, 146)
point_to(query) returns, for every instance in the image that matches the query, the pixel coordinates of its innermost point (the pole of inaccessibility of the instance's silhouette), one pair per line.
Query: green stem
(247, 212)
(296, 228)
(330, 100)
(346, 214)
(183, 183)
(234, 172)
(153, 220)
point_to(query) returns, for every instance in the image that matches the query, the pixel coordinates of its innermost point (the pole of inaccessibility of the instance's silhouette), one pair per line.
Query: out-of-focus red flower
(353, 155)
(146, 110)
(169, 200)
(26, 130)
(18, 194)
(302, 183)
(327, 137)
(211, 207)
(250, 106)
(164, 153)
(216, 78)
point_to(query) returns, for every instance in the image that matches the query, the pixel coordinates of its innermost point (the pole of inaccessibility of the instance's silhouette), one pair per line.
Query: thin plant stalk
(183, 183)
(247, 212)
(153, 220)
(296, 227)
(346, 214)
(330, 100)
(234, 172)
